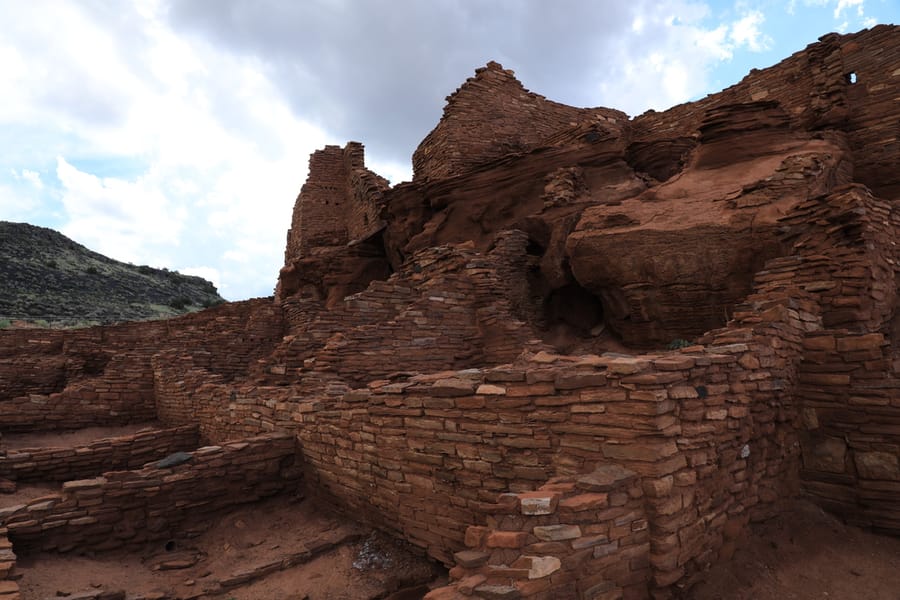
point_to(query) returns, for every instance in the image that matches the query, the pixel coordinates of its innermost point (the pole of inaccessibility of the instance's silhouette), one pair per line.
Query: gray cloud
(377, 71)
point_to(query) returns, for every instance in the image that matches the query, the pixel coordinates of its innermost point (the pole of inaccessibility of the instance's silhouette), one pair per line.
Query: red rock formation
(436, 348)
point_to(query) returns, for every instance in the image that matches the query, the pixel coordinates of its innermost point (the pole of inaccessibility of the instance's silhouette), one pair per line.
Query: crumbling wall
(492, 115)
(9, 589)
(341, 202)
(422, 456)
(107, 371)
(129, 508)
(850, 429)
(843, 82)
(116, 453)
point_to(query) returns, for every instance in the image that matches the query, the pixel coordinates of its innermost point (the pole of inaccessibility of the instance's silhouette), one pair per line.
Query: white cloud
(846, 13)
(32, 177)
(671, 60)
(213, 156)
(843, 5)
(746, 32)
(123, 219)
(209, 273)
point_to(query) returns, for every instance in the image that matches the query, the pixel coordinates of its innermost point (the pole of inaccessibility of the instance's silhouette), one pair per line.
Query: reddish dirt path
(69, 439)
(807, 555)
(358, 565)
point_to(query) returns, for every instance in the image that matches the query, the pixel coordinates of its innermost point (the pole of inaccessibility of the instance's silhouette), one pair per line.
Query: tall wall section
(341, 202)
(845, 82)
(492, 115)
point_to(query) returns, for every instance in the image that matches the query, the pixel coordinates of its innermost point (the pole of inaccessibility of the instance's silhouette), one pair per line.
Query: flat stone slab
(605, 478)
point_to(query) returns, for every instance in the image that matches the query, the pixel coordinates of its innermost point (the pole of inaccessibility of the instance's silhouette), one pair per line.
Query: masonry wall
(340, 202)
(814, 87)
(850, 426)
(116, 453)
(449, 307)
(69, 379)
(129, 508)
(9, 589)
(423, 456)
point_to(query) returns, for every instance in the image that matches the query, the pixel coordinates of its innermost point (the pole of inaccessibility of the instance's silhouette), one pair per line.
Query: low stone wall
(69, 379)
(584, 537)
(707, 429)
(9, 589)
(107, 402)
(116, 453)
(129, 508)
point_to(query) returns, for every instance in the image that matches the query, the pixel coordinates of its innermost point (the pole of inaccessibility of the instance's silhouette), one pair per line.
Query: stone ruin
(574, 358)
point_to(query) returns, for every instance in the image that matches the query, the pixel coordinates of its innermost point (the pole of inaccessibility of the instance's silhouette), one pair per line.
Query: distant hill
(48, 279)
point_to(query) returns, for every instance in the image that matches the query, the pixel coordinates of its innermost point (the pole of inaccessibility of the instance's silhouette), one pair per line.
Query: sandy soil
(351, 562)
(26, 492)
(806, 555)
(69, 439)
(803, 555)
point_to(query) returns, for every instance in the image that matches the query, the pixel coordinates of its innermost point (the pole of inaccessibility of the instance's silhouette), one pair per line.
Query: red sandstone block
(470, 402)
(860, 342)
(475, 536)
(583, 502)
(506, 539)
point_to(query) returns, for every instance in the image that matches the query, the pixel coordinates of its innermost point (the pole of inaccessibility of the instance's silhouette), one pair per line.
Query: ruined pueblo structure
(575, 357)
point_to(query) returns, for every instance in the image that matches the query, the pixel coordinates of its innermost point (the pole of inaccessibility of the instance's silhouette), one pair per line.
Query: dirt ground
(349, 562)
(26, 492)
(69, 439)
(806, 555)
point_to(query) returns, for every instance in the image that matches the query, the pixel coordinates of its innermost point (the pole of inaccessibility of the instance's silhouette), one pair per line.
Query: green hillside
(48, 279)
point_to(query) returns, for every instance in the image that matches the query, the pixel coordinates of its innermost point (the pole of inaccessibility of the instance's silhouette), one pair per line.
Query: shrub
(145, 270)
(180, 303)
(4, 323)
(210, 302)
(678, 343)
(92, 270)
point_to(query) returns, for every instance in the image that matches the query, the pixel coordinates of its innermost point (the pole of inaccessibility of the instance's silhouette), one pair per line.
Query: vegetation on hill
(49, 280)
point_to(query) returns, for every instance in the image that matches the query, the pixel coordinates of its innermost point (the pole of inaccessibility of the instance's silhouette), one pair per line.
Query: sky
(176, 133)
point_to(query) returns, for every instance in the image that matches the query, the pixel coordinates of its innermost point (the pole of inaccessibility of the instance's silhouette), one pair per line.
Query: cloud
(746, 32)
(122, 219)
(32, 177)
(377, 71)
(161, 150)
(209, 273)
(843, 5)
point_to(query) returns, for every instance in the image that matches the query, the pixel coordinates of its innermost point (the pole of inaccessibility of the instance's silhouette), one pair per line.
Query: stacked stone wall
(104, 375)
(814, 87)
(448, 308)
(851, 427)
(584, 537)
(9, 588)
(423, 456)
(124, 509)
(490, 116)
(116, 453)
(341, 202)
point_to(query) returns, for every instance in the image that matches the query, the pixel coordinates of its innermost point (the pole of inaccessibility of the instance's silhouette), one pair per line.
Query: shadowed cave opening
(574, 321)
